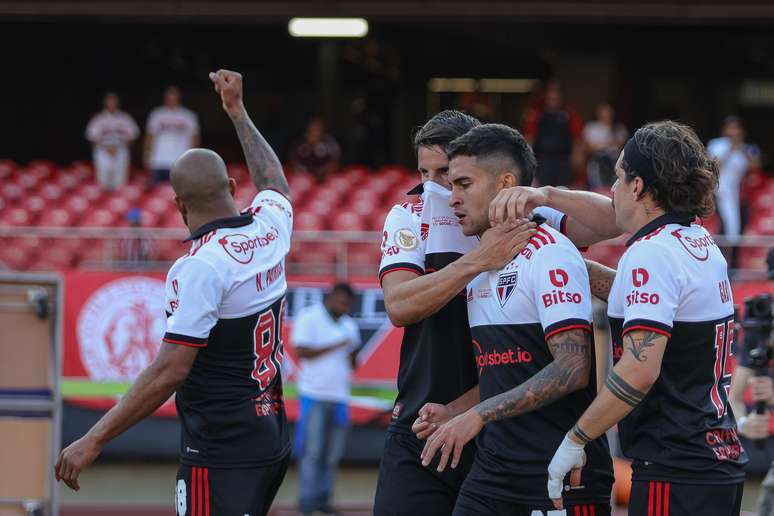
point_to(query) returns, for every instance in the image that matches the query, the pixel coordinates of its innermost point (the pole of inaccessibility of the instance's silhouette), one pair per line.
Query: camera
(757, 324)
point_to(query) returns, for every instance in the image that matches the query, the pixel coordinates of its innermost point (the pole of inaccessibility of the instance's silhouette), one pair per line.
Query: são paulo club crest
(506, 284)
(120, 327)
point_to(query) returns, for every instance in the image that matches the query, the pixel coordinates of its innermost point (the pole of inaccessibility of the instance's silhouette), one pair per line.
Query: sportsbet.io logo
(119, 328)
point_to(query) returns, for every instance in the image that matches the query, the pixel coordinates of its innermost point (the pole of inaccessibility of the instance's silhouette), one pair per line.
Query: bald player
(221, 352)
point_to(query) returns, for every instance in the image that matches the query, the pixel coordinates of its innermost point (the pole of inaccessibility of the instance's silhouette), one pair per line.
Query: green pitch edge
(88, 389)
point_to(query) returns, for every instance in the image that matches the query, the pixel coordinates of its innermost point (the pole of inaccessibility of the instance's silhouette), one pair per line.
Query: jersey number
(268, 346)
(724, 340)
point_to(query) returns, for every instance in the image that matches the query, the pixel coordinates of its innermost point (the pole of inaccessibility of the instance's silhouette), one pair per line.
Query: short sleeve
(554, 218)
(303, 330)
(402, 246)
(651, 287)
(152, 126)
(354, 333)
(276, 207)
(93, 129)
(194, 294)
(134, 131)
(560, 285)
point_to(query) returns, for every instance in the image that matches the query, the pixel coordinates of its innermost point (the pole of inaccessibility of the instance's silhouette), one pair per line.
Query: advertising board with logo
(114, 322)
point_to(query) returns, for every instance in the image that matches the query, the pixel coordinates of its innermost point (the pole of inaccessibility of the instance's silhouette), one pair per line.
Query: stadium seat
(239, 172)
(119, 206)
(16, 257)
(27, 179)
(12, 191)
(43, 169)
(348, 221)
(355, 173)
(83, 170)
(308, 221)
(98, 217)
(50, 192)
(7, 169)
(131, 192)
(56, 217)
(91, 191)
(67, 180)
(157, 205)
(16, 217)
(76, 204)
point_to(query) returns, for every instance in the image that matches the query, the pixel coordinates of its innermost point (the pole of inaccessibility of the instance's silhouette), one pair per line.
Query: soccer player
(222, 350)
(531, 326)
(671, 317)
(423, 274)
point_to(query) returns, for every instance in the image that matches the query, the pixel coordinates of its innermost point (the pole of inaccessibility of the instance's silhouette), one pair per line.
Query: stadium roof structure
(241, 11)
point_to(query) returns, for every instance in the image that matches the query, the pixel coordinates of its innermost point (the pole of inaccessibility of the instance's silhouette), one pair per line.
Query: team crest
(406, 239)
(506, 284)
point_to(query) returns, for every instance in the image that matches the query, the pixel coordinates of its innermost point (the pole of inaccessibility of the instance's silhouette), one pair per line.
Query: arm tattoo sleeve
(637, 347)
(567, 373)
(265, 168)
(622, 390)
(601, 279)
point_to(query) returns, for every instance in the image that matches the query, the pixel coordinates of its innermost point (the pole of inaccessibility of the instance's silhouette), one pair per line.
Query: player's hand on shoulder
(501, 243)
(74, 459)
(431, 417)
(755, 426)
(229, 85)
(451, 438)
(511, 204)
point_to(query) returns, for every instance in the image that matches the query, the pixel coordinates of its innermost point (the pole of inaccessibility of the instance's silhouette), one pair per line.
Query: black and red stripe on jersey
(513, 312)
(672, 280)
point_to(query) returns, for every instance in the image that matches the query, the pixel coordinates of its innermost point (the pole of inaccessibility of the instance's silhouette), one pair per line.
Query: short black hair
(443, 128)
(344, 288)
(489, 140)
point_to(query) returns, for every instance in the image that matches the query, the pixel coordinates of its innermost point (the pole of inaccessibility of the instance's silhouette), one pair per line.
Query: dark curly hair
(491, 140)
(686, 176)
(443, 128)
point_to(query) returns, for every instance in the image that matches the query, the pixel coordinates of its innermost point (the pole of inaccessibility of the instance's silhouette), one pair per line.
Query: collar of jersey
(667, 218)
(417, 190)
(228, 222)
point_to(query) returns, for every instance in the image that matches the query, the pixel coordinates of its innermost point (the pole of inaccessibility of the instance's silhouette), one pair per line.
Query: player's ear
(232, 186)
(182, 209)
(506, 179)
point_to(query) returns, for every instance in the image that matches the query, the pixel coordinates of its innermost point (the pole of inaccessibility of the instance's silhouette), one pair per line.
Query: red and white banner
(113, 324)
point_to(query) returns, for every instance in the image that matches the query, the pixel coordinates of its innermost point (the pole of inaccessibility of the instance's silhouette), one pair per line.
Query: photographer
(754, 370)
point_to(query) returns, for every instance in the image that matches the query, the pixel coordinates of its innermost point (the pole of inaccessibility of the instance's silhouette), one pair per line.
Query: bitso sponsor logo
(406, 239)
(558, 277)
(120, 327)
(559, 297)
(242, 247)
(640, 278)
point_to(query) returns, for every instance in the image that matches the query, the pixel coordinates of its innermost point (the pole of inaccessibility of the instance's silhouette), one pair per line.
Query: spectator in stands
(318, 152)
(554, 129)
(326, 340)
(735, 159)
(135, 248)
(604, 140)
(111, 131)
(171, 130)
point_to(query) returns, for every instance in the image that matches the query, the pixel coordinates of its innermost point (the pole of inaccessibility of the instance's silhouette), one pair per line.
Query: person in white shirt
(326, 341)
(171, 130)
(111, 131)
(603, 139)
(735, 158)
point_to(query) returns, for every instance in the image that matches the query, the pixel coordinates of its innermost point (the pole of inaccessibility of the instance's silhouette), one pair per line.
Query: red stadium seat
(300, 183)
(67, 180)
(83, 170)
(59, 255)
(157, 205)
(308, 221)
(239, 172)
(99, 217)
(355, 173)
(7, 169)
(16, 217)
(27, 179)
(91, 191)
(76, 204)
(170, 250)
(51, 192)
(57, 217)
(12, 192)
(34, 204)
(42, 168)
(131, 192)
(16, 257)
(118, 205)
(364, 254)
(348, 221)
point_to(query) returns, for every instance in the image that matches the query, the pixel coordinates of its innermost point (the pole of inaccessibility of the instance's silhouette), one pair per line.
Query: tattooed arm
(601, 279)
(626, 385)
(568, 372)
(265, 168)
